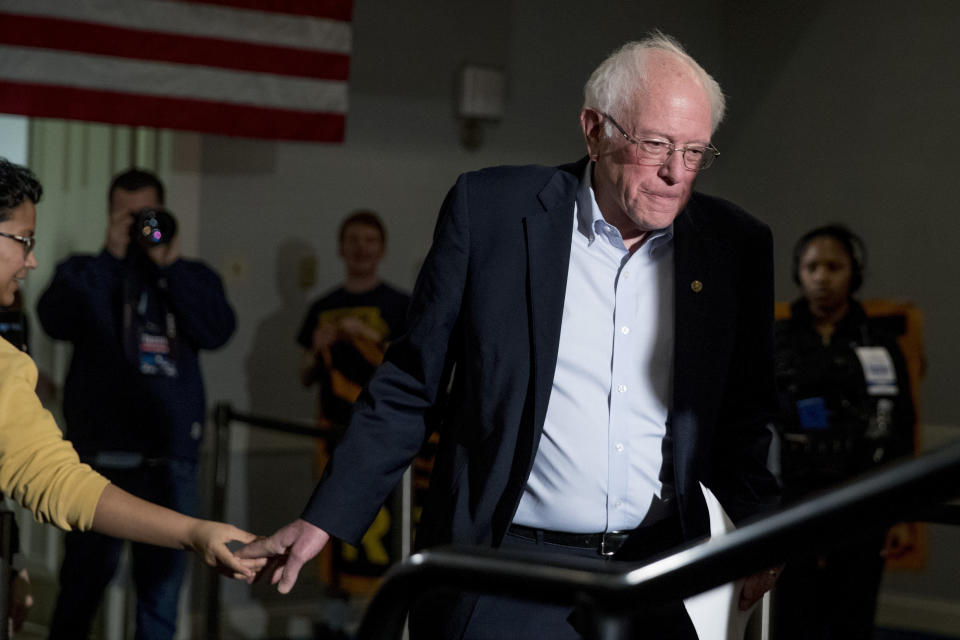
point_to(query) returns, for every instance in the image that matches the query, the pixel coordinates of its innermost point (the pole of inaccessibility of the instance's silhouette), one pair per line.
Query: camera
(152, 227)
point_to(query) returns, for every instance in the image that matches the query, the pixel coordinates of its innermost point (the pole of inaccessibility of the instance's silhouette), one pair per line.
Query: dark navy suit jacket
(479, 358)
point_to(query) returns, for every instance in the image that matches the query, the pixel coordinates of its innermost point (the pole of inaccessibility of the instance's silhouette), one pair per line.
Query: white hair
(623, 74)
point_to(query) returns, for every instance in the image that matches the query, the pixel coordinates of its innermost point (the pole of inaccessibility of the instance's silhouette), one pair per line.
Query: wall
(843, 111)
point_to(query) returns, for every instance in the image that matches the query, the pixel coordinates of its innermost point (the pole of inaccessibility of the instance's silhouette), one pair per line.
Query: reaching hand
(287, 551)
(756, 585)
(209, 540)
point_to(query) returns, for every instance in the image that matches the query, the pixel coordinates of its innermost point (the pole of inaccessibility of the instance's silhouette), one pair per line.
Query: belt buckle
(610, 543)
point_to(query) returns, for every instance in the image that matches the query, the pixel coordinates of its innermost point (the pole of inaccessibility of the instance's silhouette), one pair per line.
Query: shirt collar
(591, 223)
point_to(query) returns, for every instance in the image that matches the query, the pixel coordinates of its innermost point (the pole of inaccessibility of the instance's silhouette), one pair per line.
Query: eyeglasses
(28, 242)
(653, 151)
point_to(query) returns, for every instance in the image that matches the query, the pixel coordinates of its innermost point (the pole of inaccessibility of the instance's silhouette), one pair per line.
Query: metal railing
(908, 491)
(905, 491)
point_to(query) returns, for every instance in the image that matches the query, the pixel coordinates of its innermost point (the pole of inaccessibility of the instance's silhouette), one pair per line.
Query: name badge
(878, 370)
(155, 357)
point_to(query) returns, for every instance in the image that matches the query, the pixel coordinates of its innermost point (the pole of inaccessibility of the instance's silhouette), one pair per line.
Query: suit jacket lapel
(696, 259)
(548, 236)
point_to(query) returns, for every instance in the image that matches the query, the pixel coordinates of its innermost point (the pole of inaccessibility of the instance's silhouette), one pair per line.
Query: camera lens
(152, 227)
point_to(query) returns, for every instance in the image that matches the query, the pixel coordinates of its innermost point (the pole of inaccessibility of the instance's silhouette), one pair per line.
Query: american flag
(254, 68)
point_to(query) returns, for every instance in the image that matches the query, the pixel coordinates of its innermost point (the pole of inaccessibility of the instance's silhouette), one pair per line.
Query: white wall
(13, 138)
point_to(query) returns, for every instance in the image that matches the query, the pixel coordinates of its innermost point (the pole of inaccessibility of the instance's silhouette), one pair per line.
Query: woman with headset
(845, 408)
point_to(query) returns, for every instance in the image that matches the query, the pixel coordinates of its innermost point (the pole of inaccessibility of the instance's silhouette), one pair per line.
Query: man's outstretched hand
(286, 552)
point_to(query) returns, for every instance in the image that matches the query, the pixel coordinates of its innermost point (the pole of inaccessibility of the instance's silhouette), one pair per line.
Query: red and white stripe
(237, 67)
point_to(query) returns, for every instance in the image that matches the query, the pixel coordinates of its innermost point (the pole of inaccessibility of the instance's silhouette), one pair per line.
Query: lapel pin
(696, 286)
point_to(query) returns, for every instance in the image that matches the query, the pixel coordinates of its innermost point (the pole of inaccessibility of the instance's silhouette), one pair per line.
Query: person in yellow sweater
(42, 471)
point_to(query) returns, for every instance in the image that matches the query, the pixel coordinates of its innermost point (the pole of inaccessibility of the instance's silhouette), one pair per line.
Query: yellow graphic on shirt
(372, 541)
(365, 330)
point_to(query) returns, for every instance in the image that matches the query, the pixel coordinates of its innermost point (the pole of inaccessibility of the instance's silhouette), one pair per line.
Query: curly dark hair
(16, 185)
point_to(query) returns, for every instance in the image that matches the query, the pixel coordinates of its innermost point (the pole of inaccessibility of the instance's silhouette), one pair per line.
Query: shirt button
(626, 274)
(624, 330)
(621, 388)
(617, 504)
(619, 447)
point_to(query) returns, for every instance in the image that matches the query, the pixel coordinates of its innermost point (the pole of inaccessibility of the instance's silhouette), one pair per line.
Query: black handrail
(224, 415)
(893, 493)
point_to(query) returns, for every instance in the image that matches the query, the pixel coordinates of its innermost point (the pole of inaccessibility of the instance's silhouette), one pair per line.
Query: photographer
(137, 315)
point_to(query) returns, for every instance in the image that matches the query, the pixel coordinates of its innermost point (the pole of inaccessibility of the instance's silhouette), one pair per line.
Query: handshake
(280, 556)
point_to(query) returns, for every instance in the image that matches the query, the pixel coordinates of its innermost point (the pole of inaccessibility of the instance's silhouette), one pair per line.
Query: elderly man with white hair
(593, 342)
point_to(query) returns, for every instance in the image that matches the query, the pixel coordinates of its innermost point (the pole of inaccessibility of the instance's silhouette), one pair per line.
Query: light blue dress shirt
(598, 464)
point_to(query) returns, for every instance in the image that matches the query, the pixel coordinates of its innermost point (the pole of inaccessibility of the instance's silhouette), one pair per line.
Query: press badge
(878, 371)
(155, 358)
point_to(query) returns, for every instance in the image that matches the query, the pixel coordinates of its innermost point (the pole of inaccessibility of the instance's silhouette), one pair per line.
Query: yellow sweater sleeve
(38, 468)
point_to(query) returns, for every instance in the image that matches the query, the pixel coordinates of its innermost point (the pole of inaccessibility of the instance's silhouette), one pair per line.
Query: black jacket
(833, 425)
(487, 310)
(109, 405)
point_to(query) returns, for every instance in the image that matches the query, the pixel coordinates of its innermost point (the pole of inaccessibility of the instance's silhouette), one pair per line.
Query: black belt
(640, 544)
(606, 543)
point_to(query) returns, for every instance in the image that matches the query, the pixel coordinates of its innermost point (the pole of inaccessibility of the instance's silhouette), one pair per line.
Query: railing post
(612, 627)
(606, 625)
(6, 569)
(222, 415)
(406, 514)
